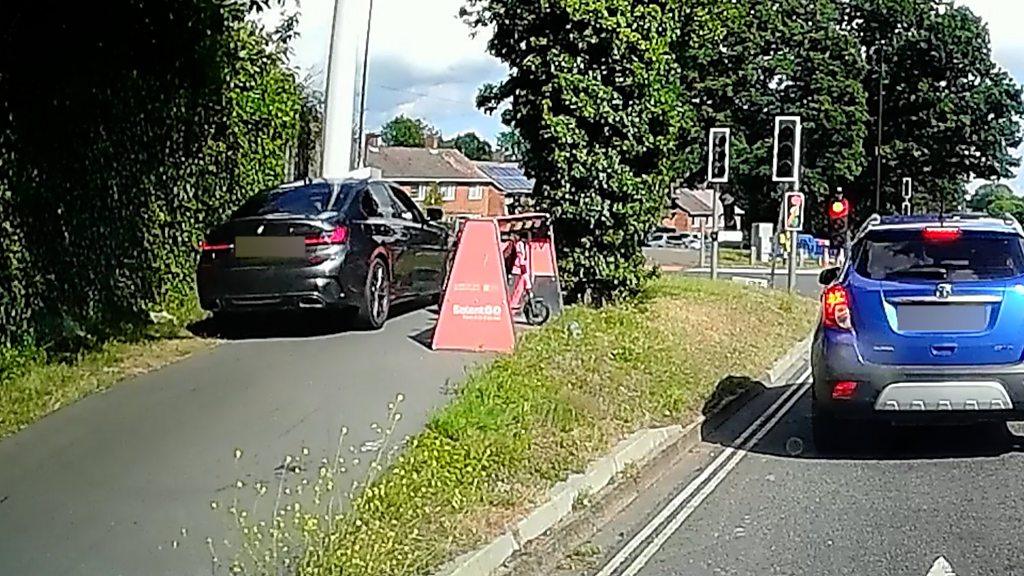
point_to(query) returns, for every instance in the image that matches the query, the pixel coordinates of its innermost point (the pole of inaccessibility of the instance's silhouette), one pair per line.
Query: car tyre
(376, 305)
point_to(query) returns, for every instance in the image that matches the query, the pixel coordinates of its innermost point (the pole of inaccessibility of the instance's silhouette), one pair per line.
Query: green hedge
(132, 130)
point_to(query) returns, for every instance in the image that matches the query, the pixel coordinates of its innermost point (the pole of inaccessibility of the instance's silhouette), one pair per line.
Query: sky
(424, 62)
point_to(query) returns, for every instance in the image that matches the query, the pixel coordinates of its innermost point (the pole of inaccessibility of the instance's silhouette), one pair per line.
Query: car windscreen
(307, 200)
(945, 255)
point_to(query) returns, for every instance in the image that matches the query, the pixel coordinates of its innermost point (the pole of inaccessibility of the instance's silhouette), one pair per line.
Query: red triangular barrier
(475, 311)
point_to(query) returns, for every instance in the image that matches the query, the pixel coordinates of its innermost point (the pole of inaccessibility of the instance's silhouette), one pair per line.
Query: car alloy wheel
(380, 293)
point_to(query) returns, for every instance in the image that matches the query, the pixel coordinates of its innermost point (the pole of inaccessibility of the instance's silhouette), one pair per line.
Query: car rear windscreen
(307, 200)
(908, 255)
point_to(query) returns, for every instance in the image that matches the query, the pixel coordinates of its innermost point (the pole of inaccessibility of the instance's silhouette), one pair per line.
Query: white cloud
(424, 62)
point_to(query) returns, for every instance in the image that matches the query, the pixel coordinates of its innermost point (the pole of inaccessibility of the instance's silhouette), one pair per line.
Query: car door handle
(944, 349)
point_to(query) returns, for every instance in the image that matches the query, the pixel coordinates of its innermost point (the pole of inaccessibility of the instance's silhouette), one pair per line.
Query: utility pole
(361, 142)
(341, 82)
(878, 146)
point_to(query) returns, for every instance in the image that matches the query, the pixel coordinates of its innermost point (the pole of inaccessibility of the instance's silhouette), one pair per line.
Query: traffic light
(794, 211)
(908, 193)
(718, 155)
(839, 221)
(786, 159)
(729, 211)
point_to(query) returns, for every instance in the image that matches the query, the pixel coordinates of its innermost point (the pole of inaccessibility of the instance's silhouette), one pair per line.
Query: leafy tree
(987, 194)
(950, 113)
(511, 145)
(405, 131)
(595, 92)
(473, 146)
(433, 196)
(787, 57)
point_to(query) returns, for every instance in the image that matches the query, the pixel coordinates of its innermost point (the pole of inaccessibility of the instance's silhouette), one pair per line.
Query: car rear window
(906, 255)
(307, 200)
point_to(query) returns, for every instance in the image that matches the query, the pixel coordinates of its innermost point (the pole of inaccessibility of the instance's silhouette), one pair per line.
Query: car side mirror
(435, 214)
(828, 276)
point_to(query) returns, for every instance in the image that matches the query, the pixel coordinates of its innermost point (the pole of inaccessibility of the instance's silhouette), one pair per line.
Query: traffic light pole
(714, 232)
(792, 249)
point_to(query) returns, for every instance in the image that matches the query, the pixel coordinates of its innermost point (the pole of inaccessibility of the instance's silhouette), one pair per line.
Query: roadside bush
(161, 120)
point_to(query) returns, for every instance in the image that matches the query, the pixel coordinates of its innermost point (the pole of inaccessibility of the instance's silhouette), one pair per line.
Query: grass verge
(32, 387)
(520, 425)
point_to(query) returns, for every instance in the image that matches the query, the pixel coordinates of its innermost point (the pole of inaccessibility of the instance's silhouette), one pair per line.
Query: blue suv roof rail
(926, 219)
(872, 221)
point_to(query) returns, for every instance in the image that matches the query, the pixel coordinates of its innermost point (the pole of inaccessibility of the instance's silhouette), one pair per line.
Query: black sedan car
(360, 244)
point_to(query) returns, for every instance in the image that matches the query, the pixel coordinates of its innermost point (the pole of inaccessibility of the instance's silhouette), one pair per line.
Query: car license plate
(270, 247)
(942, 317)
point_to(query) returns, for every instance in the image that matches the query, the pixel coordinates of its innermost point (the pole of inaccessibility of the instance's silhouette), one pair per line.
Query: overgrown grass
(523, 423)
(33, 385)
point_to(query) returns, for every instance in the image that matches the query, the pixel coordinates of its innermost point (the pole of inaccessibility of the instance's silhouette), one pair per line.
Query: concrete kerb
(638, 449)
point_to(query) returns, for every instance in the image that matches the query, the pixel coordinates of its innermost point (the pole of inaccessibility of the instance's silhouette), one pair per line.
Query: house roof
(696, 202)
(396, 163)
(509, 176)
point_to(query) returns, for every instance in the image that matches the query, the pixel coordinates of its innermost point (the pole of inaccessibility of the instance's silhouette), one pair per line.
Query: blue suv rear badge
(943, 291)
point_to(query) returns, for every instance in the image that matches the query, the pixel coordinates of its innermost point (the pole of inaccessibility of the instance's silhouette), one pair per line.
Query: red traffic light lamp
(839, 209)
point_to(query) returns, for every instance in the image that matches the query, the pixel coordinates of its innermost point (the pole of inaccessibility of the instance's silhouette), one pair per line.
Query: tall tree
(595, 91)
(511, 145)
(950, 113)
(405, 131)
(473, 146)
(787, 57)
(988, 194)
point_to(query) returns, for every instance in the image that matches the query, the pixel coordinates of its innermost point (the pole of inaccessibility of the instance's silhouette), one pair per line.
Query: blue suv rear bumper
(835, 358)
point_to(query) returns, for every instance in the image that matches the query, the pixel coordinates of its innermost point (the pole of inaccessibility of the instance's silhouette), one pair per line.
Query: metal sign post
(714, 234)
(794, 203)
(786, 168)
(908, 193)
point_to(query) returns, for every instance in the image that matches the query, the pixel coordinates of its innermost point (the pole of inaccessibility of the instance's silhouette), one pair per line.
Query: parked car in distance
(921, 325)
(658, 240)
(324, 244)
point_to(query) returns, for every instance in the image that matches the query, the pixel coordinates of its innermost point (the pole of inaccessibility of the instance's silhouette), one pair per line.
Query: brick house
(464, 189)
(510, 178)
(689, 209)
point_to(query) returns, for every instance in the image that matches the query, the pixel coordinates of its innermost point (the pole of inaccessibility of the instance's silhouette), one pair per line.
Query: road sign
(786, 156)
(941, 567)
(718, 155)
(759, 282)
(794, 203)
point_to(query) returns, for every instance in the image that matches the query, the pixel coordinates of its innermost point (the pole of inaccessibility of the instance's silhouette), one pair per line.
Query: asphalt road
(911, 502)
(106, 486)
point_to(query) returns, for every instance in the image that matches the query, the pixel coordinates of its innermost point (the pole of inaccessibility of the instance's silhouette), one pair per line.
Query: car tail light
(337, 236)
(836, 308)
(213, 247)
(843, 390)
(941, 234)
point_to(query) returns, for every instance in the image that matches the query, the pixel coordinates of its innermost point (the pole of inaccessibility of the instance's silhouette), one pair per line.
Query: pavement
(758, 497)
(121, 482)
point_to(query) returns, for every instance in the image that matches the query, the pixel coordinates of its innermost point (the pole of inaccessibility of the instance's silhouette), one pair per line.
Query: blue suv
(924, 323)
